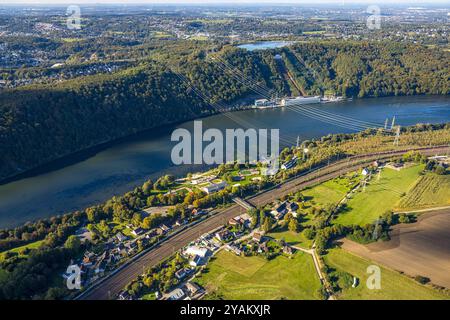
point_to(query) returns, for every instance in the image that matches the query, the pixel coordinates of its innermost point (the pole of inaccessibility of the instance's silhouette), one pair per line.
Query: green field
(33, 245)
(331, 191)
(251, 278)
(380, 195)
(431, 190)
(292, 238)
(394, 286)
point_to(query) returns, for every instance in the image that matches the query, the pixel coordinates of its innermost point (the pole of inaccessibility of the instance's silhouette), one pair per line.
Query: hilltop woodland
(40, 123)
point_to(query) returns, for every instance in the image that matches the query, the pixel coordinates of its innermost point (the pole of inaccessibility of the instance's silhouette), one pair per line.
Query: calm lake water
(96, 176)
(264, 45)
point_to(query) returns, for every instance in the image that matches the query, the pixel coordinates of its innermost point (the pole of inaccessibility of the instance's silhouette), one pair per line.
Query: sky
(81, 2)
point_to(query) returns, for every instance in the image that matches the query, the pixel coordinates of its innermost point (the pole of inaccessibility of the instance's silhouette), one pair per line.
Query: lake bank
(121, 166)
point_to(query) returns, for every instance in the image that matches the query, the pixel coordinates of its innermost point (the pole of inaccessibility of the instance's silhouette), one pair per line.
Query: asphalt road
(112, 285)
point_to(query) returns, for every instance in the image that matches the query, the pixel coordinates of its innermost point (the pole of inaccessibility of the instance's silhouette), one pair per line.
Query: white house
(196, 251)
(176, 294)
(214, 187)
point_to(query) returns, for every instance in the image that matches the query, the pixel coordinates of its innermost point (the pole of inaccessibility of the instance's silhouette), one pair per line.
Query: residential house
(88, 259)
(197, 251)
(214, 187)
(182, 273)
(176, 294)
(124, 295)
(279, 211)
(196, 261)
(224, 235)
(289, 164)
(288, 250)
(162, 229)
(193, 288)
(257, 237)
(121, 237)
(137, 232)
(292, 207)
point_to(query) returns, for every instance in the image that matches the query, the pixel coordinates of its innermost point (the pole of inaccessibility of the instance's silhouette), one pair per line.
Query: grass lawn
(292, 238)
(252, 278)
(394, 286)
(380, 195)
(331, 191)
(431, 190)
(33, 245)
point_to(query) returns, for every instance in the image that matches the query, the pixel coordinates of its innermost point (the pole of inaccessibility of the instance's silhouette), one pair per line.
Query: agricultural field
(394, 286)
(430, 190)
(420, 248)
(236, 277)
(380, 195)
(292, 238)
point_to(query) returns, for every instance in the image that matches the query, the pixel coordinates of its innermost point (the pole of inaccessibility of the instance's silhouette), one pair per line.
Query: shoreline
(85, 153)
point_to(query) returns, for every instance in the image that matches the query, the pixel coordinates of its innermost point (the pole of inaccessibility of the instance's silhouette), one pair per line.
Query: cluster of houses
(281, 209)
(189, 291)
(118, 248)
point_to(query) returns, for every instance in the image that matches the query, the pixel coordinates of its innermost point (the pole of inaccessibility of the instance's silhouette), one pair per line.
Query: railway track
(110, 286)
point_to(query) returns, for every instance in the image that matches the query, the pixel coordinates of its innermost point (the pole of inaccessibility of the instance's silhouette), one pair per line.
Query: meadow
(292, 238)
(237, 277)
(380, 195)
(394, 286)
(33, 245)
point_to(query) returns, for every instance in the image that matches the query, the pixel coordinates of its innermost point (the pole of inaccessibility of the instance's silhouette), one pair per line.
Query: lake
(93, 177)
(263, 45)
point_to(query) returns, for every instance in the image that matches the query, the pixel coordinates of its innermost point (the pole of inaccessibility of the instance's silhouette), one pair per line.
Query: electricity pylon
(393, 123)
(397, 136)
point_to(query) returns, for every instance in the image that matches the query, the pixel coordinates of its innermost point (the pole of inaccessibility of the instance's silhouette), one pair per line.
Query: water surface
(120, 167)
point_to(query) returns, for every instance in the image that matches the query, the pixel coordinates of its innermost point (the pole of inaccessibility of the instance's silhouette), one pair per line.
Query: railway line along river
(93, 176)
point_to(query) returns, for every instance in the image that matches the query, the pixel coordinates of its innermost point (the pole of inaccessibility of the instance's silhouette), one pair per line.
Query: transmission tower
(386, 123)
(393, 123)
(397, 136)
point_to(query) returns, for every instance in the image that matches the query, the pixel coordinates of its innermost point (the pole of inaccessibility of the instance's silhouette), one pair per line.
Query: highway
(113, 284)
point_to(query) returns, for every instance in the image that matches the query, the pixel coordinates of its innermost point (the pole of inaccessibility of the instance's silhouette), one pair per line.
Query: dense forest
(41, 123)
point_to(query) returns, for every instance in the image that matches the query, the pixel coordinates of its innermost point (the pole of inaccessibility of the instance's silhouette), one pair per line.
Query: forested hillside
(41, 123)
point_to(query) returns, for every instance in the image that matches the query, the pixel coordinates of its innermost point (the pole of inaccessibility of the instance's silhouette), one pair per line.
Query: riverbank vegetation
(163, 89)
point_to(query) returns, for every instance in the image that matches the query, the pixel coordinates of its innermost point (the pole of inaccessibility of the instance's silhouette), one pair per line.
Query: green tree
(293, 225)
(73, 243)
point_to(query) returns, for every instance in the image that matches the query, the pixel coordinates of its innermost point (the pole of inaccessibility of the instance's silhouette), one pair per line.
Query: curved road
(110, 286)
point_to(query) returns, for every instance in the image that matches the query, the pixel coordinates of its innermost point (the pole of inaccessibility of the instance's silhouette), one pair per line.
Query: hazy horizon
(219, 2)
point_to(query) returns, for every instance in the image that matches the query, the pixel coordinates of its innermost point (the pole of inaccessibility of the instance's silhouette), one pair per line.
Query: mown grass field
(33, 245)
(380, 195)
(430, 190)
(331, 191)
(292, 238)
(394, 286)
(249, 278)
